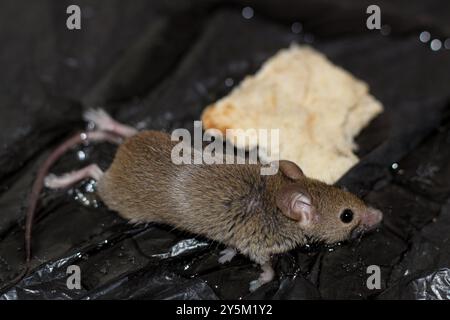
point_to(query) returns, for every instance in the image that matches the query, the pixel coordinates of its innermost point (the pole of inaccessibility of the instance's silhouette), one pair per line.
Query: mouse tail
(38, 185)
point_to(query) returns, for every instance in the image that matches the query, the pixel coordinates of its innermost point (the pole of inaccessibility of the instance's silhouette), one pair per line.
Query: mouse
(255, 215)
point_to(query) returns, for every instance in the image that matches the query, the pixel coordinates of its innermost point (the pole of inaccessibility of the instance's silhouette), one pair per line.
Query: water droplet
(81, 155)
(436, 44)
(308, 38)
(332, 247)
(424, 36)
(447, 43)
(394, 166)
(296, 27)
(385, 30)
(90, 187)
(346, 267)
(83, 136)
(229, 82)
(86, 197)
(247, 12)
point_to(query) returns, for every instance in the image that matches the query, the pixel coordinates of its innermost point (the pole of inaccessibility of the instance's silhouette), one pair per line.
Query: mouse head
(323, 212)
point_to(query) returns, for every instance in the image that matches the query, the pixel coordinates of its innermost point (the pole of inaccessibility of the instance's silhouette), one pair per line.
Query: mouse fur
(259, 215)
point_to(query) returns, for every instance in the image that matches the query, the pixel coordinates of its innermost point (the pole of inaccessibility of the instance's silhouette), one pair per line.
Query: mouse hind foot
(103, 121)
(66, 180)
(265, 277)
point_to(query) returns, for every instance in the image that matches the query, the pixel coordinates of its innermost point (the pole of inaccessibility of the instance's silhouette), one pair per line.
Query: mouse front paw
(227, 255)
(265, 277)
(255, 284)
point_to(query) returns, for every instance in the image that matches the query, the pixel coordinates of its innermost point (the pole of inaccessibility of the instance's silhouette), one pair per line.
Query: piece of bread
(317, 106)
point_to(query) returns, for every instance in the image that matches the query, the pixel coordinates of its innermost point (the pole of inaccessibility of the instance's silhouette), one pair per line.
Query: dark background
(156, 64)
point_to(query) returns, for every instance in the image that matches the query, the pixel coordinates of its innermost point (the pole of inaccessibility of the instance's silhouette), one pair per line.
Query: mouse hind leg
(265, 277)
(103, 121)
(66, 180)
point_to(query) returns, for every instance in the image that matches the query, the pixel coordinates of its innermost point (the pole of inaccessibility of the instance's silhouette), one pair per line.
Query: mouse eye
(347, 216)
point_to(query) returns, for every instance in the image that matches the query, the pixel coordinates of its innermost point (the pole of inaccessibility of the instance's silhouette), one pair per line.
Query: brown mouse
(253, 214)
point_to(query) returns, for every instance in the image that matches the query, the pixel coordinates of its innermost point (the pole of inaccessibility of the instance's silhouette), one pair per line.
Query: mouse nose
(369, 221)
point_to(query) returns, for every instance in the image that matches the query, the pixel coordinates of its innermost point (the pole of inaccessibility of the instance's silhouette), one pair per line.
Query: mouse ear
(296, 204)
(291, 169)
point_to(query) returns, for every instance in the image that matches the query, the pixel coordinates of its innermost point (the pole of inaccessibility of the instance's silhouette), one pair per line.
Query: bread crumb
(318, 107)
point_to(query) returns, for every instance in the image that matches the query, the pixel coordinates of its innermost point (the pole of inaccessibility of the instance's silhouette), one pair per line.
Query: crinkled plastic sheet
(435, 286)
(49, 282)
(405, 153)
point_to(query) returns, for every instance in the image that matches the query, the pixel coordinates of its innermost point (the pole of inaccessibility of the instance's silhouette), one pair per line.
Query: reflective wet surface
(119, 62)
